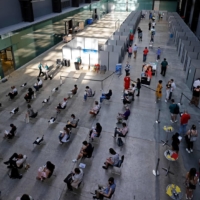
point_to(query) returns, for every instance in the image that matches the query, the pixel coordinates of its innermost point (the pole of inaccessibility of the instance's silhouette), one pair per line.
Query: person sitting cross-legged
(30, 112)
(65, 133)
(74, 179)
(95, 109)
(113, 160)
(62, 105)
(85, 151)
(121, 132)
(16, 161)
(96, 131)
(72, 123)
(106, 96)
(13, 93)
(107, 191)
(38, 85)
(124, 115)
(45, 171)
(73, 91)
(10, 134)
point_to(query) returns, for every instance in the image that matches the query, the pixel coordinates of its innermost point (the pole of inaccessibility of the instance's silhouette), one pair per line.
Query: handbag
(68, 178)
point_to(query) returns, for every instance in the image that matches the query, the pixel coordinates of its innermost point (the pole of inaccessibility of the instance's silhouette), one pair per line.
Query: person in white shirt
(62, 105)
(135, 51)
(13, 93)
(95, 109)
(74, 178)
(38, 85)
(196, 83)
(173, 87)
(153, 23)
(121, 132)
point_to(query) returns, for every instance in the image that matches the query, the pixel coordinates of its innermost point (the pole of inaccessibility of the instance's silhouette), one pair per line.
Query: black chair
(90, 155)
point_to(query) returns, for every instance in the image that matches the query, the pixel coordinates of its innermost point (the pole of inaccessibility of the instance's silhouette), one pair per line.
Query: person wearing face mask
(105, 191)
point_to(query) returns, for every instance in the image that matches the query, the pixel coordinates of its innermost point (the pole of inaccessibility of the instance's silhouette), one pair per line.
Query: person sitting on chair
(95, 109)
(96, 131)
(30, 112)
(13, 93)
(86, 150)
(72, 123)
(131, 91)
(125, 116)
(74, 179)
(106, 96)
(107, 191)
(88, 93)
(111, 161)
(10, 134)
(62, 105)
(38, 85)
(121, 132)
(16, 161)
(29, 95)
(64, 133)
(126, 100)
(73, 92)
(45, 171)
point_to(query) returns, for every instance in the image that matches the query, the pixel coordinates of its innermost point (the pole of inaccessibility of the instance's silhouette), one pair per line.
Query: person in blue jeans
(88, 93)
(107, 191)
(105, 96)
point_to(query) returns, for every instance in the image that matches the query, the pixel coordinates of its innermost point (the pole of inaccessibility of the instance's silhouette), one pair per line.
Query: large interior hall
(100, 100)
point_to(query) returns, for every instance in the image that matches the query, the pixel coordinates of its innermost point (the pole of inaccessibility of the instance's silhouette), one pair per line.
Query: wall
(10, 13)
(42, 8)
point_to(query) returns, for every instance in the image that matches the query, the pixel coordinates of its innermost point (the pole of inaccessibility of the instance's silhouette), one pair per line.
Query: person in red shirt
(145, 52)
(127, 81)
(185, 117)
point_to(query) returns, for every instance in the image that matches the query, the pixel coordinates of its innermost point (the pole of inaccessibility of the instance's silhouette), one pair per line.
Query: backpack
(176, 109)
(120, 142)
(14, 173)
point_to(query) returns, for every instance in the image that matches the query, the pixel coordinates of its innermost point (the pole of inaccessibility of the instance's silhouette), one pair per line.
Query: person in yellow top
(159, 91)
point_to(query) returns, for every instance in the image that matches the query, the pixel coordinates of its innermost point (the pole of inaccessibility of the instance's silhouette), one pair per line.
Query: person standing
(135, 51)
(174, 110)
(195, 96)
(127, 68)
(173, 87)
(130, 51)
(159, 91)
(149, 25)
(190, 182)
(138, 87)
(168, 89)
(138, 30)
(150, 15)
(185, 117)
(196, 83)
(145, 52)
(140, 35)
(40, 68)
(158, 53)
(191, 137)
(127, 81)
(164, 65)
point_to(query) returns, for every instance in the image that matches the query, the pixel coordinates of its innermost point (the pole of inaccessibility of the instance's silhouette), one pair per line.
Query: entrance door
(7, 62)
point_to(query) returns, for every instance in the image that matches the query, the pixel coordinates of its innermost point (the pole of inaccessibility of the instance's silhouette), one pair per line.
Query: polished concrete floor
(142, 147)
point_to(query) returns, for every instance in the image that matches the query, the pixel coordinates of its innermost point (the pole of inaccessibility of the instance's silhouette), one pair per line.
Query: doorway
(7, 62)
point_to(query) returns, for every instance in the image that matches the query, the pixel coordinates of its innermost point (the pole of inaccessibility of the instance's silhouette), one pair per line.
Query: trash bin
(77, 66)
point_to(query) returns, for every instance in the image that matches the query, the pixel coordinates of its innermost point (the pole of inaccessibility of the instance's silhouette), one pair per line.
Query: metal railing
(186, 98)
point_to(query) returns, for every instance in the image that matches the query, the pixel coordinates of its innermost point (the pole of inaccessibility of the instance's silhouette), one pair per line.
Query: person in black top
(29, 95)
(175, 142)
(195, 96)
(86, 151)
(138, 87)
(10, 134)
(106, 96)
